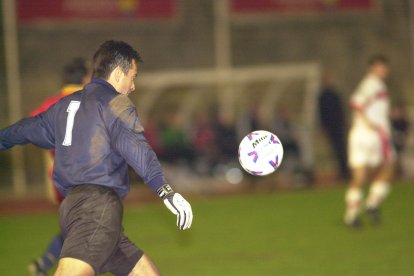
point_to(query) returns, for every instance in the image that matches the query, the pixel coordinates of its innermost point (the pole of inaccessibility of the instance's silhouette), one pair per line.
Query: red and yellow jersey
(48, 102)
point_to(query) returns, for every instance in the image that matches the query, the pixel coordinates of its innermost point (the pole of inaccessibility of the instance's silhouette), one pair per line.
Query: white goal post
(230, 85)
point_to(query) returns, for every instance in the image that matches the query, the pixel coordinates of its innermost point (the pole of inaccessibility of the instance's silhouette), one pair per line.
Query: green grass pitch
(282, 233)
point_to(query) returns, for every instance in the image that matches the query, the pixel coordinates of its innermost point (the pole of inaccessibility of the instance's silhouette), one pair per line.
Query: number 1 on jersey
(72, 109)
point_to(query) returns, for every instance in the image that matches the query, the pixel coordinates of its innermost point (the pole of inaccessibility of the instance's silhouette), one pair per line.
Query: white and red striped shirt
(372, 99)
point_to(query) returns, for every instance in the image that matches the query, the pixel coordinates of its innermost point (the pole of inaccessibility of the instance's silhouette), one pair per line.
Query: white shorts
(369, 148)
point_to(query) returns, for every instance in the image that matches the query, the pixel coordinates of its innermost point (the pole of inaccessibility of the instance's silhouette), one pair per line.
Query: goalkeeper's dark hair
(113, 53)
(375, 59)
(75, 71)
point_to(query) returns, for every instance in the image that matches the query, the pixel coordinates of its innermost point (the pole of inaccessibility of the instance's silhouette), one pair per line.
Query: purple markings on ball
(275, 163)
(255, 172)
(255, 156)
(274, 140)
(250, 135)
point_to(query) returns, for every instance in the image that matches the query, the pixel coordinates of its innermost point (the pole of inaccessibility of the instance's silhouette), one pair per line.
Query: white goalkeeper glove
(177, 205)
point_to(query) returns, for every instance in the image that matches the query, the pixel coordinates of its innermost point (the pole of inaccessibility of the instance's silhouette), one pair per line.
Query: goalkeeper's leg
(144, 267)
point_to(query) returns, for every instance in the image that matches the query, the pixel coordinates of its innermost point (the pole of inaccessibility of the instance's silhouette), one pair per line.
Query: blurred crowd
(211, 140)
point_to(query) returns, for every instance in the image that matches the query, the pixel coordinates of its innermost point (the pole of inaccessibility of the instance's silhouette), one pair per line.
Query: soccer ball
(260, 152)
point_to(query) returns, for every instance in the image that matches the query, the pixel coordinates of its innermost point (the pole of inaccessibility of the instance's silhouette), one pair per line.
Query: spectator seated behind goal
(284, 128)
(226, 139)
(204, 143)
(175, 147)
(400, 130)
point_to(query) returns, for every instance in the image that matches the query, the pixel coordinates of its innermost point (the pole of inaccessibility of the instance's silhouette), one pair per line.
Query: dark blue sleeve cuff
(156, 183)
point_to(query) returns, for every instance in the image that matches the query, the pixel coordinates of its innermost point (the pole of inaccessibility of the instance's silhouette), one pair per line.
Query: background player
(76, 74)
(370, 147)
(96, 134)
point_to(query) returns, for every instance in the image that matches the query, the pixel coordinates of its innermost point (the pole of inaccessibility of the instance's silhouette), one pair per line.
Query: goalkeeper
(96, 134)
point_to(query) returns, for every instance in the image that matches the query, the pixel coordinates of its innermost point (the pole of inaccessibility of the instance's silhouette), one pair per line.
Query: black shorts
(91, 224)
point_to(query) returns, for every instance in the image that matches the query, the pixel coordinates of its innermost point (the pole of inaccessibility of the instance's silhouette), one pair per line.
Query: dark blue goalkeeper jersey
(96, 133)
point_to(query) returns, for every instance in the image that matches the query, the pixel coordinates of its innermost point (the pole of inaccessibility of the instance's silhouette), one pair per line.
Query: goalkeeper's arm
(130, 142)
